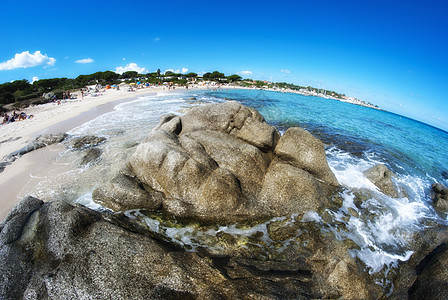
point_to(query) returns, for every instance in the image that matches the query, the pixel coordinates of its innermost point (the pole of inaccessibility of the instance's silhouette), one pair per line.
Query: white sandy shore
(50, 114)
(48, 118)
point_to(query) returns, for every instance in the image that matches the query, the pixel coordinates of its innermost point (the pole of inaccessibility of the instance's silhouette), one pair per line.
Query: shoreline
(52, 118)
(49, 118)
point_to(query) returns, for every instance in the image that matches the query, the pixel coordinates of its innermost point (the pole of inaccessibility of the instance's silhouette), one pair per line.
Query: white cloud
(130, 67)
(85, 61)
(156, 39)
(286, 71)
(177, 71)
(124, 58)
(245, 73)
(35, 79)
(26, 60)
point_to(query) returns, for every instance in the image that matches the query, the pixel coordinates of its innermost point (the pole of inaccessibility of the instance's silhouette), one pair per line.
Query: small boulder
(87, 141)
(91, 155)
(41, 141)
(439, 197)
(381, 177)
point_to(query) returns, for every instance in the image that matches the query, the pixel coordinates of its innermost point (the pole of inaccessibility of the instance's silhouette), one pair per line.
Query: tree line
(23, 93)
(20, 91)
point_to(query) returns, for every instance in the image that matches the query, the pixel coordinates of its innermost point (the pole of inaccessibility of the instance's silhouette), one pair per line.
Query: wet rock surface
(90, 156)
(381, 177)
(86, 142)
(440, 197)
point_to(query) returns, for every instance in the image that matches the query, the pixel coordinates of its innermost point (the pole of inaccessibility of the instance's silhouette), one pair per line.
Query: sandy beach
(49, 118)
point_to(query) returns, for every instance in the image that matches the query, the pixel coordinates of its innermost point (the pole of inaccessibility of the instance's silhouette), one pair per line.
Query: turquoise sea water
(405, 145)
(356, 138)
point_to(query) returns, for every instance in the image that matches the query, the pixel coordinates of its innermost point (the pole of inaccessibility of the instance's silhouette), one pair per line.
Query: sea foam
(382, 227)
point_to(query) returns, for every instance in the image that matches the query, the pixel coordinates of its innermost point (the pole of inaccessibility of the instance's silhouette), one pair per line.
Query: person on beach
(5, 119)
(22, 116)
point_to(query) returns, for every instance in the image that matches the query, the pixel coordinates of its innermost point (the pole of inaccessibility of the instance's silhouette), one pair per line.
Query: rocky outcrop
(56, 250)
(59, 251)
(222, 163)
(39, 142)
(381, 177)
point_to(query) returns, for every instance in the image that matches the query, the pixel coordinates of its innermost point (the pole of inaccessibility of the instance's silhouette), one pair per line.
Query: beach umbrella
(132, 83)
(48, 95)
(138, 82)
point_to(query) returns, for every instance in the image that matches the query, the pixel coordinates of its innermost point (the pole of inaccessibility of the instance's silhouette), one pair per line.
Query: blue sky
(391, 53)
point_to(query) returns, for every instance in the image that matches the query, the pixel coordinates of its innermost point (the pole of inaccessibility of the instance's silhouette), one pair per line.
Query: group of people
(15, 117)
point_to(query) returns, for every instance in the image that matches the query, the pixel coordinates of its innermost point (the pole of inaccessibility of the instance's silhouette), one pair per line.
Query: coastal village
(310, 91)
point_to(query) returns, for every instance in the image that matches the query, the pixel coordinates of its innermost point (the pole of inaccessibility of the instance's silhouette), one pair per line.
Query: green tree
(217, 75)
(45, 85)
(207, 75)
(6, 97)
(233, 78)
(191, 75)
(129, 74)
(110, 76)
(11, 87)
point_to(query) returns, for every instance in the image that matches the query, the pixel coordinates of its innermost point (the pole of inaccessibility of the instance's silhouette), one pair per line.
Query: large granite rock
(59, 251)
(222, 163)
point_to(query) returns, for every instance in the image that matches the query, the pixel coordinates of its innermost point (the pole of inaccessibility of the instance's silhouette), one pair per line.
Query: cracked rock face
(222, 163)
